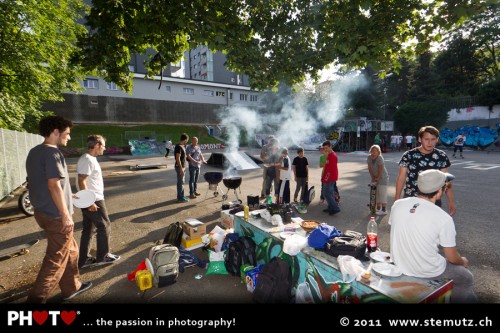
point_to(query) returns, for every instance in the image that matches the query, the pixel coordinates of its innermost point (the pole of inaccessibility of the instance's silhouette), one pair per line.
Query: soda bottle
(371, 235)
(269, 199)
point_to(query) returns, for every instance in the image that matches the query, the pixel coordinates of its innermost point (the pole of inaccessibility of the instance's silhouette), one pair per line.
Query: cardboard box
(194, 228)
(227, 220)
(189, 243)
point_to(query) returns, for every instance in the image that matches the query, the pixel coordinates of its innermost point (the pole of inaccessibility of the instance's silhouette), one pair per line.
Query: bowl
(310, 225)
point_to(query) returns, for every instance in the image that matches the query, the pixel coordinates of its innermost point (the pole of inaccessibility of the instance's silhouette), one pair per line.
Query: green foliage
(37, 39)
(413, 115)
(272, 41)
(489, 94)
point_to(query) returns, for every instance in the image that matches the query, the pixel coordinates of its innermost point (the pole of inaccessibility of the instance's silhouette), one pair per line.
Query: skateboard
(300, 208)
(373, 198)
(17, 250)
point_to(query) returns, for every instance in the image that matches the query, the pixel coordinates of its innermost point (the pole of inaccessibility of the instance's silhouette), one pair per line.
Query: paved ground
(142, 203)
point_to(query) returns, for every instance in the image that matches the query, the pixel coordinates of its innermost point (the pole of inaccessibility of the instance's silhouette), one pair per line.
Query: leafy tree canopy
(272, 41)
(37, 39)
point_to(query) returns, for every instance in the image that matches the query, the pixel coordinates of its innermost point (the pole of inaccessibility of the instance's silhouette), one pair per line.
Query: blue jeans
(194, 173)
(180, 183)
(328, 192)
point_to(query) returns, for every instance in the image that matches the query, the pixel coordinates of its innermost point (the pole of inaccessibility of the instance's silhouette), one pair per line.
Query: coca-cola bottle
(371, 235)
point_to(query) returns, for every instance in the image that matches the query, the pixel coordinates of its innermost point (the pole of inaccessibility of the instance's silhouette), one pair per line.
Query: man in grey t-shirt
(50, 194)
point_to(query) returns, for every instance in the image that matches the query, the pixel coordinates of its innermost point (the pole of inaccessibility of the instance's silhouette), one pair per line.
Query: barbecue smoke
(298, 120)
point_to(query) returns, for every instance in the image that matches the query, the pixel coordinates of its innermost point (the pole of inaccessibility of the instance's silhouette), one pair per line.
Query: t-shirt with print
(415, 162)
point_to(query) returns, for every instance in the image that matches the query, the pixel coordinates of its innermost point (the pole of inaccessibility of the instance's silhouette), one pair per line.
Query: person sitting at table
(419, 228)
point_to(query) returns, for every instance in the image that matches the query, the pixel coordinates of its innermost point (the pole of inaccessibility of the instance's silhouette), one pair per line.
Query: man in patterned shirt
(419, 159)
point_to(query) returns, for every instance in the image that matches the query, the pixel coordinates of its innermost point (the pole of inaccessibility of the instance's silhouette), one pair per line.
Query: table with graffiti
(318, 277)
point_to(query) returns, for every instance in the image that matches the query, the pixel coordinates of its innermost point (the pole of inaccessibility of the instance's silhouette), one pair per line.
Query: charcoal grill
(232, 183)
(213, 179)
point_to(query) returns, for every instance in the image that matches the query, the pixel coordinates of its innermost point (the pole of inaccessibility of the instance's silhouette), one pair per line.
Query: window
(253, 98)
(231, 95)
(91, 83)
(208, 93)
(168, 89)
(220, 94)
(243, 97)
(111, 86)
(188, 91)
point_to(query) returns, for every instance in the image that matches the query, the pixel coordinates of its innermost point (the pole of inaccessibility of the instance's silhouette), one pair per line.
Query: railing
(14, 148)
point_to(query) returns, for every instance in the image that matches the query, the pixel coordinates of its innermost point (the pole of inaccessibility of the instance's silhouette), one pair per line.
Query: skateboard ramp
(235, 160)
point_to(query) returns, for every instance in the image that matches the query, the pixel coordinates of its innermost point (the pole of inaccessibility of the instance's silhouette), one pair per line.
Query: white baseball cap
(432, 180)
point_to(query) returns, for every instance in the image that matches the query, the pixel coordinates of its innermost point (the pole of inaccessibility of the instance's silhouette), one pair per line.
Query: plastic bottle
(246, 212)
(371, 235)
(269, 199)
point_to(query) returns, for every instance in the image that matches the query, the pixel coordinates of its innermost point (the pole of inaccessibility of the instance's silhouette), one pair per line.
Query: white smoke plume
(298, 120)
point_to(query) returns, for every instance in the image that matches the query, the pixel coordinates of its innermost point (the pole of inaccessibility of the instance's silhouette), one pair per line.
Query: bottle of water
(371, 235)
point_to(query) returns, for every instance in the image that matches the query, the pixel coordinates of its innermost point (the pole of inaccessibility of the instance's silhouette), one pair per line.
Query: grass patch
(118, 136)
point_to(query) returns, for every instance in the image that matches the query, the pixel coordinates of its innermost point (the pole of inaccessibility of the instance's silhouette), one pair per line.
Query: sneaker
(84, 287)
(381, 212)
(183, 199)
(197, 194)
(110, 258)
(263, 196)
(192, 196)
(88, 262)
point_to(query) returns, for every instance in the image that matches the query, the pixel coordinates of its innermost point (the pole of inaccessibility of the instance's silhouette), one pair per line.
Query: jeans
(328, 192)
(194, 173)
(95, 222)
(301, 187)
(180, 183)
(269, 184)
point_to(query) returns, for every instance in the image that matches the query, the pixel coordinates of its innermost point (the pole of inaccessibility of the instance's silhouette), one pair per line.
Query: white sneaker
(381, 212)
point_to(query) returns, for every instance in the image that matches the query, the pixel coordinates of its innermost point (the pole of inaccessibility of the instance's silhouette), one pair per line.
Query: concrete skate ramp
(235, 160)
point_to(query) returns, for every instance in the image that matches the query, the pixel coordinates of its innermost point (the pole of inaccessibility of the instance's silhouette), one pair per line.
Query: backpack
(173, 235)
(274, 284)
(240, 252)
(308, 195)
(165, 261)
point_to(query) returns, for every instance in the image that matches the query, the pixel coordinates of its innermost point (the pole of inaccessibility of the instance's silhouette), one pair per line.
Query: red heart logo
(40, 316)
(68, 316)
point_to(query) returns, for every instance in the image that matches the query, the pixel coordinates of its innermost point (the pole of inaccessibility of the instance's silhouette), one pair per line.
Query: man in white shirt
(95, 217)
(459, 144)
(419, 228)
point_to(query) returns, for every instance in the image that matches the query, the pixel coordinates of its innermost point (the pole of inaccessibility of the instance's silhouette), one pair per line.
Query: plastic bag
(351, 268)
(216, 264)
(294, 244)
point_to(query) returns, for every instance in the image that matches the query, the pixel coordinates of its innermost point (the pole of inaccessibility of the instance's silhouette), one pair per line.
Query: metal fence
(14, 148)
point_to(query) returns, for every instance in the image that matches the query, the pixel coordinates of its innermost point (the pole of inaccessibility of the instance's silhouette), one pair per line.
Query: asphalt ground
(142, 203)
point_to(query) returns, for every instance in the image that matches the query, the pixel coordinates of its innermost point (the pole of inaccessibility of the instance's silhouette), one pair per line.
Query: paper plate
(286, 234)
(85, 198)
(381, 256)
(150, 267)
(386, 269)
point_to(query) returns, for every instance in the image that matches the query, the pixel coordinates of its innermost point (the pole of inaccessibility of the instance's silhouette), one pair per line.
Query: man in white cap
(419, 228)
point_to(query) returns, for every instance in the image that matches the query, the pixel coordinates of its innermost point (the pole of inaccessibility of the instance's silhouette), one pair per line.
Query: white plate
(85, 199)
(381, 256)
(150, 267)
(286, 234)
(386, 269)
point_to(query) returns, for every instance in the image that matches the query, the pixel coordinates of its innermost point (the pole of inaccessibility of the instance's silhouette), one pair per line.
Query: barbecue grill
(213, 179)
(232, 183)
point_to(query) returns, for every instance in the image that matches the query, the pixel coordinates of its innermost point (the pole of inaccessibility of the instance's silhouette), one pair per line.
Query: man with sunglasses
(419, 229)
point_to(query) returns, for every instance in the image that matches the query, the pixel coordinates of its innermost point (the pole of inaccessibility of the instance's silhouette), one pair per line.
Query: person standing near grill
(180, 166)
(265, 154)
(285, 170)
(50, 195)
(195, 159)
(301, 173)
(329, 178)
(95, 217)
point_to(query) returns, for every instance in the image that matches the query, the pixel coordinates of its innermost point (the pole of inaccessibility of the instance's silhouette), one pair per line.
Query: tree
(413, 115)
(272, 41)
(37, 39)
(489, 94)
